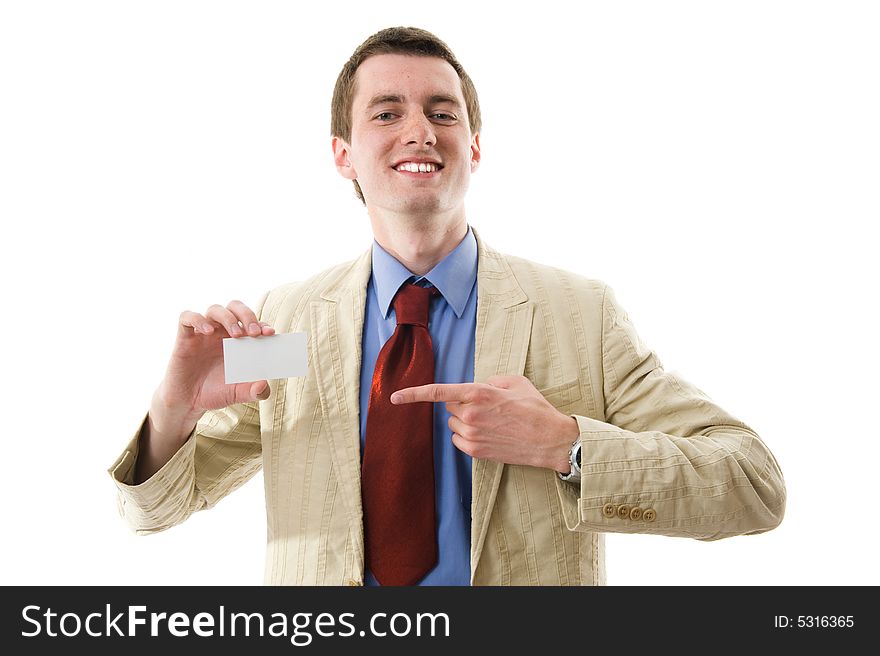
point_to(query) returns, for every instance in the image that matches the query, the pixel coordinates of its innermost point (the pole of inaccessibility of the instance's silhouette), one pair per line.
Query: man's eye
(385, 116)
(443, 116)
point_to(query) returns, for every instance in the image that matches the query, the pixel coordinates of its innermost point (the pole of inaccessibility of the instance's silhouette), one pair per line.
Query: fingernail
(235, 330)
(207, 328)
(254, 328)
(395, 397)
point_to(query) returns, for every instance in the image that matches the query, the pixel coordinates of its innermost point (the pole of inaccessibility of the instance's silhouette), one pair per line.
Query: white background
(716, 163)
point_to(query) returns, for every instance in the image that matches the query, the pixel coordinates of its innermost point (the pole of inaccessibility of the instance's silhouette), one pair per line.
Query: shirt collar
(454, 275)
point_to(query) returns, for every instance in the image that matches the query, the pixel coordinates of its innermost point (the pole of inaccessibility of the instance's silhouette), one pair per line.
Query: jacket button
(635, 512)
(623, 511)
(649, 515)
(609, 510)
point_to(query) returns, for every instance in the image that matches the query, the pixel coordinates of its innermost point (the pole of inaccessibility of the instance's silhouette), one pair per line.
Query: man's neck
(419, 243)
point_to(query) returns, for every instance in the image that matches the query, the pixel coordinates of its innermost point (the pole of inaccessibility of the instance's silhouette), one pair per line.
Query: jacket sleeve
(222, 453)
(667, 460)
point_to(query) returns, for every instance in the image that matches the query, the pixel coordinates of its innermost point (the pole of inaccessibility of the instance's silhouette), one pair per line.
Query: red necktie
(397, 478)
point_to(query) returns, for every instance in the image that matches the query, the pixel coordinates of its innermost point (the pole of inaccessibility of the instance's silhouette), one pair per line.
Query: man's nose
(418, 130)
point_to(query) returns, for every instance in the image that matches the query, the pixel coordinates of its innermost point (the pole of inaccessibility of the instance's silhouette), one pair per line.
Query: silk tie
(397, 476)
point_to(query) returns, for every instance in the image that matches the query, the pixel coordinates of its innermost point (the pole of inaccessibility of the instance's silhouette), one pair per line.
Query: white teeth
(414, 167)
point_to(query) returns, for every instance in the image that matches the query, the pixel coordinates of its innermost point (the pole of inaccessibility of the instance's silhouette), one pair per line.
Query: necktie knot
(411, 304)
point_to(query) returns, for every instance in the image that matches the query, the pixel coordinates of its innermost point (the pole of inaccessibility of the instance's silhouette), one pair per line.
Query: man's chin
(418, 204)
(413, 201)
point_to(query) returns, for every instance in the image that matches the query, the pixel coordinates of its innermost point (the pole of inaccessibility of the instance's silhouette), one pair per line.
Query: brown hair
(397, 41)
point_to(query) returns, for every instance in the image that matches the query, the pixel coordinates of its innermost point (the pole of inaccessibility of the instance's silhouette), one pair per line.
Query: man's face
(411, 149)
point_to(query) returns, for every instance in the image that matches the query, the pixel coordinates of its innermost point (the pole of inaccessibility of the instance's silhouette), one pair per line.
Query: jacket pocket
(565, 397)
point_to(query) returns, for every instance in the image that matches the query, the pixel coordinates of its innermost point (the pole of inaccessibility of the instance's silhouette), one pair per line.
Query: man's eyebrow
(443, 98)
(382, 98)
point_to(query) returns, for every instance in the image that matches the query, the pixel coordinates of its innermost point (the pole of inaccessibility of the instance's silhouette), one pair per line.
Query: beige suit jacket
(658, 455)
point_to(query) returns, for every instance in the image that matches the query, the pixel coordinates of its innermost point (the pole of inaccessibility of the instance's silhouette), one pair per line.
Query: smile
(418, 167)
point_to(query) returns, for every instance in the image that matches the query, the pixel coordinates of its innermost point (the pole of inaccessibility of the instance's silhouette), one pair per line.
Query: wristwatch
(574, 459)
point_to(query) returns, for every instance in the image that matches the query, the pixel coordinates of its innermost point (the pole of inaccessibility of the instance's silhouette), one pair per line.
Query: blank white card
(268, 357)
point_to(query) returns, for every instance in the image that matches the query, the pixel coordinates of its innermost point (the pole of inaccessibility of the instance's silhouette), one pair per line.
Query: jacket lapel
(504, 322)
(337, 322)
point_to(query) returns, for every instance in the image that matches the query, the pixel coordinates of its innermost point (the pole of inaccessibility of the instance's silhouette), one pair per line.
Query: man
(548, 422)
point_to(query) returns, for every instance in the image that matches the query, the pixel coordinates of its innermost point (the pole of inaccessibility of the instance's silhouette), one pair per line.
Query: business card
(267, 357)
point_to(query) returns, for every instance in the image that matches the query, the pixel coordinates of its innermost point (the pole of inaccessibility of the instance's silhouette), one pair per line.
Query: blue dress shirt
(452, 324)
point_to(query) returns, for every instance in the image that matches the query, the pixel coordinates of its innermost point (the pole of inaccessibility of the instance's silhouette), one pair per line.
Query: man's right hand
(195, 382)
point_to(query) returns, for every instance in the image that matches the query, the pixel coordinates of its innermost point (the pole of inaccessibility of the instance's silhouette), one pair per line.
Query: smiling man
(410, 147)
(467, 417)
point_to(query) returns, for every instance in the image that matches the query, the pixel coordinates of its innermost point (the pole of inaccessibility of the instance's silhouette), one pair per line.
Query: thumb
(504, 382)
(260, 390)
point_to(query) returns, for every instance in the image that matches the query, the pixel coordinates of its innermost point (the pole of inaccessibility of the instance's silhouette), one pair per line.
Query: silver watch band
(574, 460)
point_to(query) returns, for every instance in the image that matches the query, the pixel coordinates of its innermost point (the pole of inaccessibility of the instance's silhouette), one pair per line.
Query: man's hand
(504, 419)
(194, 381)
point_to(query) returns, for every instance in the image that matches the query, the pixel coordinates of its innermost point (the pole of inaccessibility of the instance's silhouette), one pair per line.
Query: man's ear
(475, 152)
(343, 162)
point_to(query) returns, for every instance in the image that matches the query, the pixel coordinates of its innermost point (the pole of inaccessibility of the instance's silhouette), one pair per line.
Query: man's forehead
(400, 76)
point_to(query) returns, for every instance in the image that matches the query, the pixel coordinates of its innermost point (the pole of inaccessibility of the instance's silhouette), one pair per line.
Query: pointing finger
(435, 392)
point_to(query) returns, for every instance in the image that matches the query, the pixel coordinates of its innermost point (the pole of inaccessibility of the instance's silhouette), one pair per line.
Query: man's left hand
(504, 419)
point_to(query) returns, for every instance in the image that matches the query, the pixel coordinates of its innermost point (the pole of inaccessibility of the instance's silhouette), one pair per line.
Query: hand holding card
(194, 380)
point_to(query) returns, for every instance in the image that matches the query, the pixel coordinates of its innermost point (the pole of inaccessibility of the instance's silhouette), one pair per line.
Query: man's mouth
(418, 167)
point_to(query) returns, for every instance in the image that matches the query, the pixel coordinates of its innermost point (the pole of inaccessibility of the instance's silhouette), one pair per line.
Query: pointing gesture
(504, 419)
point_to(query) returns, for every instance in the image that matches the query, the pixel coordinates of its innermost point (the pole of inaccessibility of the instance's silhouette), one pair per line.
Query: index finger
(247, 317)
(435, 393)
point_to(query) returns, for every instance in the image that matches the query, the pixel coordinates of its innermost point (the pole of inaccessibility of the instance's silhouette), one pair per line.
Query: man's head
(403, 95)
